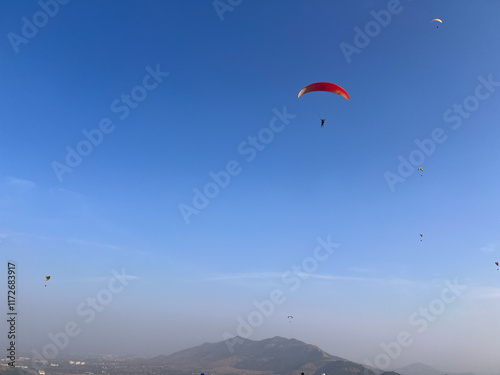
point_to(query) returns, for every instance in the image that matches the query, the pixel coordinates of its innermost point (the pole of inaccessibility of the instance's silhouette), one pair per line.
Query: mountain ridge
(271, 356)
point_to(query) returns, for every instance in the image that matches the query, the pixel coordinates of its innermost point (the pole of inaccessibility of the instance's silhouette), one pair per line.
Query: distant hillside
(266, 357)
(15, 371)
(422, 369)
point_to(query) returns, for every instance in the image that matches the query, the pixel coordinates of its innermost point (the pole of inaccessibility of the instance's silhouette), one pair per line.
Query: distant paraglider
(497, 265)
(421, 236)
(421, 170)
(290, 318)
(437, 20)
(324, 86)
(47, 278)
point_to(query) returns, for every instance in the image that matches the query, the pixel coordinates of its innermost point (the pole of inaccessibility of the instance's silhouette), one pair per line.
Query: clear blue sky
(178, 89)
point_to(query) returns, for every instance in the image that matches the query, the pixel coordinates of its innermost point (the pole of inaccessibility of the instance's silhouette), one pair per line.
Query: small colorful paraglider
(324, 86)
(421, 170)
(47, 278)
(437, 20)
(497, 265)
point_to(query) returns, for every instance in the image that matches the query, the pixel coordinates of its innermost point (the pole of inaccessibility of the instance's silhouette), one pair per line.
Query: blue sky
(181, 91)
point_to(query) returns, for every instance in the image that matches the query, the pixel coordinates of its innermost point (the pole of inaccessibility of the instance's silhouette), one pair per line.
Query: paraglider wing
(496, 263)
(47, 278)
(324, 86)
(421, 169)
(437, 20)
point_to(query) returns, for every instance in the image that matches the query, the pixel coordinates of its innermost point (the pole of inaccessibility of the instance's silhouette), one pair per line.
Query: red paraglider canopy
(324, 86)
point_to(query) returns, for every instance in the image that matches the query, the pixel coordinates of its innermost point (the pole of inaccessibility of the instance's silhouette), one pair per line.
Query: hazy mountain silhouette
(15, 371)
(422, 369)
(270, 356)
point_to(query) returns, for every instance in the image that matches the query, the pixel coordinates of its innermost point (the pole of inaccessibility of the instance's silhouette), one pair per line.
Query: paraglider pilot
(322, 122)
